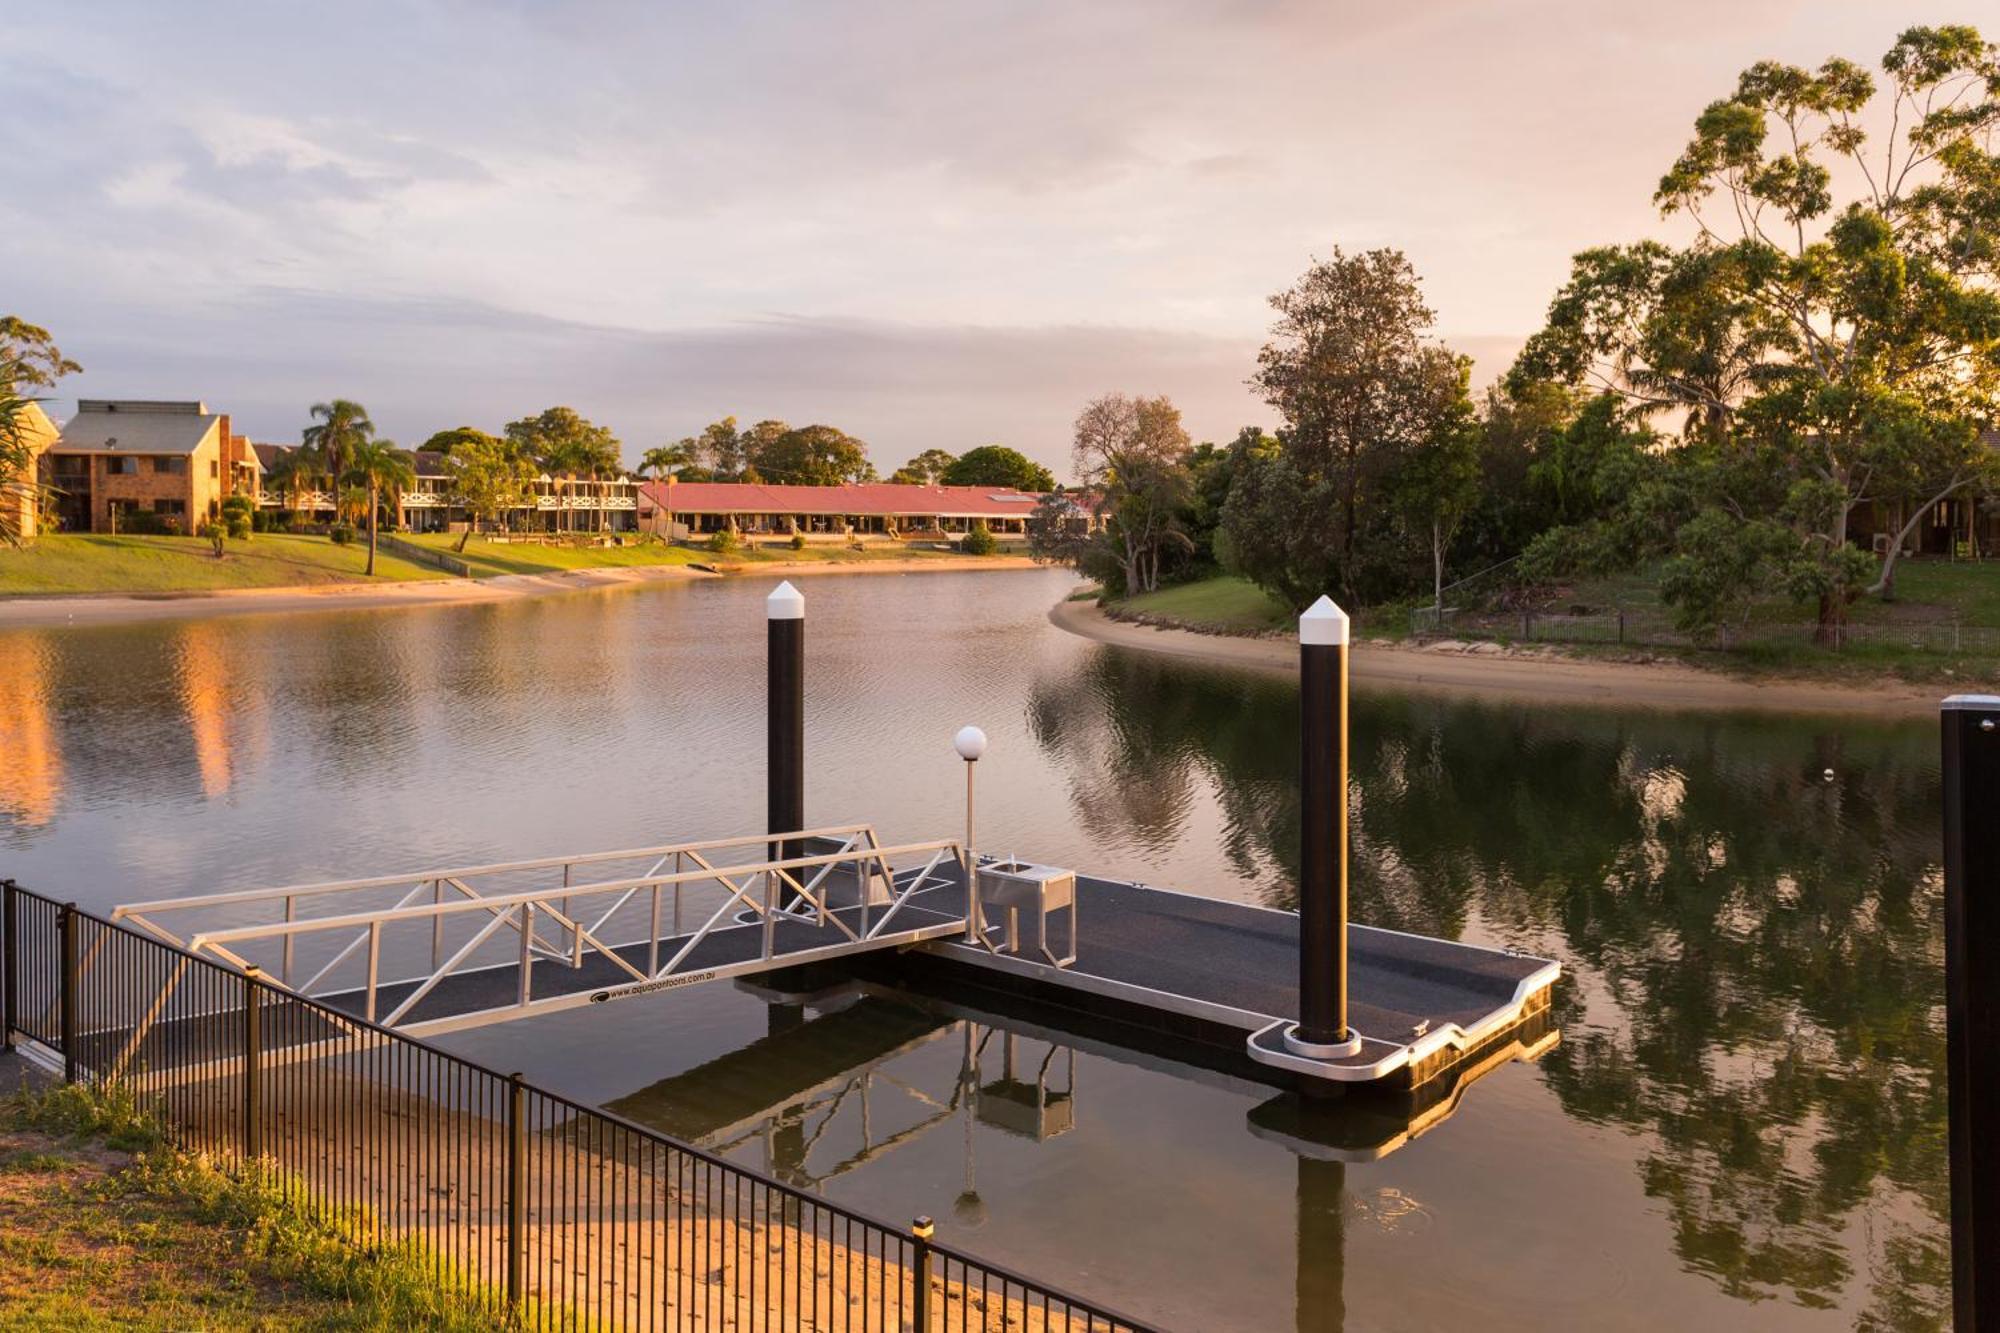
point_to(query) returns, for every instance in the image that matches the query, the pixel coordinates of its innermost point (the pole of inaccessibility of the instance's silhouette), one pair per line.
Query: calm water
(1741, 1126)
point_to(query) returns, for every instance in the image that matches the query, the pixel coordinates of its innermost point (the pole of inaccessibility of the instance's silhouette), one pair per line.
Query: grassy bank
(488, 558)
(101, 1226)
(1943, 626)
(83, 563)
(92, 563)
(1222, 605)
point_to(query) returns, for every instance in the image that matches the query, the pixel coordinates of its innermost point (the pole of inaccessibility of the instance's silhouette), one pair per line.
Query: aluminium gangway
(442, 949)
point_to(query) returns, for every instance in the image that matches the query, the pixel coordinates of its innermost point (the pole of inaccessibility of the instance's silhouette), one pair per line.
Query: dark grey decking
(1153, 963)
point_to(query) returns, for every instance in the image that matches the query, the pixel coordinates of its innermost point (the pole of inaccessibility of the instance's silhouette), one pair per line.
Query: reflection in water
(1741, 1125)
(223, 712)
(816, 1084)
(1752, 929)
(30, 758)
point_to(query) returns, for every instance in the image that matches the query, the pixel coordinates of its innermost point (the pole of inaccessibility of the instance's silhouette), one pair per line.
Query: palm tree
(667, 459)
(380, 466)
(293, 474)
(601, 460)
(563, 459)
(338, 429)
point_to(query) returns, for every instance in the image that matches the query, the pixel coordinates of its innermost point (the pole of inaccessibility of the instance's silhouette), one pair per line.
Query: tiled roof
(102, 426)
(890, 499)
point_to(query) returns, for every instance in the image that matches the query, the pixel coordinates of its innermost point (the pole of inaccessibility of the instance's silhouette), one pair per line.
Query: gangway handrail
(567, 906)
(453, 906)
(231, 896)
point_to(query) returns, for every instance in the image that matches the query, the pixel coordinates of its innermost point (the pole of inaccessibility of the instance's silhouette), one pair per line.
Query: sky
(933, 225)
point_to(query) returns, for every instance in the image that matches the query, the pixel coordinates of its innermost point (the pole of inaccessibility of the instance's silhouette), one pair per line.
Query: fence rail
(1651, 629)
(424, 555)
(550, 1213)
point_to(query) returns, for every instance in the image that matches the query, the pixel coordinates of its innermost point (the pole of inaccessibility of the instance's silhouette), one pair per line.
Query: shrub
(722, 541)
(978, 542)
(342, 533)
(798, 541)
(215, 532)
(144, 523)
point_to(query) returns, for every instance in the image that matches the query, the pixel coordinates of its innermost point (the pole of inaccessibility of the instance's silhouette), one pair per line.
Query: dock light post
(1971, 727)
(785, 736)
(1322, 1032)
(970, 744)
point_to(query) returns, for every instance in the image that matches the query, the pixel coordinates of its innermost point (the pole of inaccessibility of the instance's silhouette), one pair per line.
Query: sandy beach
(116, 608)
(1490, 671)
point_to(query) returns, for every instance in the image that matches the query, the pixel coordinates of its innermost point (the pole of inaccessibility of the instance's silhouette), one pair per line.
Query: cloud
(971, 216)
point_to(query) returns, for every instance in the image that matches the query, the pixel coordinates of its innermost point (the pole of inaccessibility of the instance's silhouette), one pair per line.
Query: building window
(172, 466)
(177, 508)
(122, 467)
(214, 468)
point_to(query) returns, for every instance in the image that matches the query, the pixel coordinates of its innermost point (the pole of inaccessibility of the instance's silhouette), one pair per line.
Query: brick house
(174, 460)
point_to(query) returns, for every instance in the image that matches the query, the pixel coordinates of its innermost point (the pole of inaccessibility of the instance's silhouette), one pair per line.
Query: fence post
(921, 1231)
(10, 1003)
(253, 1060)
(1621, 624)
(517, 1191)
(71, 1000)
(1971, 736)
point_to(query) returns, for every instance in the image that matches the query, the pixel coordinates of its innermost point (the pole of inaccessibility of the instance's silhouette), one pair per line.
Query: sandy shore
(114, 608)
(1490, 671)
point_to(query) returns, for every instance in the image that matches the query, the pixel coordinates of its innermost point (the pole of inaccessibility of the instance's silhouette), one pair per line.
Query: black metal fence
(1652, 628)
(550, 1213)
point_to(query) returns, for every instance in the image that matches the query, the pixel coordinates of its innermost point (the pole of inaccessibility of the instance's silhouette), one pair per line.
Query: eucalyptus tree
(450, 441)
(566, 444)
(378, 466)
(29, 359)
(926, 469)
(1352, 369)
(1831, 329)
(814, 456)
(1131, 453)
(998, 465)
(490, 478)
(1438, 481)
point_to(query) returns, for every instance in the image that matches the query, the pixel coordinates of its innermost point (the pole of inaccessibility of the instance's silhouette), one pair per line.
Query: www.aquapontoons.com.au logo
(648, 987)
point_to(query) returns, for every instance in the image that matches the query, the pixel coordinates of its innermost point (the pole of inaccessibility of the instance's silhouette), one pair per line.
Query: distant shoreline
(32, 611)
(1536, 676)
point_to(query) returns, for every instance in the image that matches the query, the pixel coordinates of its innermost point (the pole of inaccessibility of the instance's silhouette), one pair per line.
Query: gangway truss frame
(842, 915)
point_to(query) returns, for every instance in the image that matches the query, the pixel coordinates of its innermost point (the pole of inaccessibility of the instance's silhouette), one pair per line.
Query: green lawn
(104, 1227)
(89, 563)
(488, 558)
(1221, 605)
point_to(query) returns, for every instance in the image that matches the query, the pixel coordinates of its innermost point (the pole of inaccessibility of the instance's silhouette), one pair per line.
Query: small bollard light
(970, 744)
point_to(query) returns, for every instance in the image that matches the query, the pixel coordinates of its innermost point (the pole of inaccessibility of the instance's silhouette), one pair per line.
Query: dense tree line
(1724, 406)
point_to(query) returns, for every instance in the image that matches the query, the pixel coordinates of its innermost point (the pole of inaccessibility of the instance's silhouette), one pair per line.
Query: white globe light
(970, 743)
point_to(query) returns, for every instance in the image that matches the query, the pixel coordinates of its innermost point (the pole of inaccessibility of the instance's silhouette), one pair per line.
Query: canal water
(1741, 1124)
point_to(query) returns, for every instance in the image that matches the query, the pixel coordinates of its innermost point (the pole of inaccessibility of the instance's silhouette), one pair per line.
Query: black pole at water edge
(1323, 828)
(785, 703)
(1971, 726)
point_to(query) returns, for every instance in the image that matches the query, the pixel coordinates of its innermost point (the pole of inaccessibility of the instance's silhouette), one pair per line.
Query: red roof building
(690, 508)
